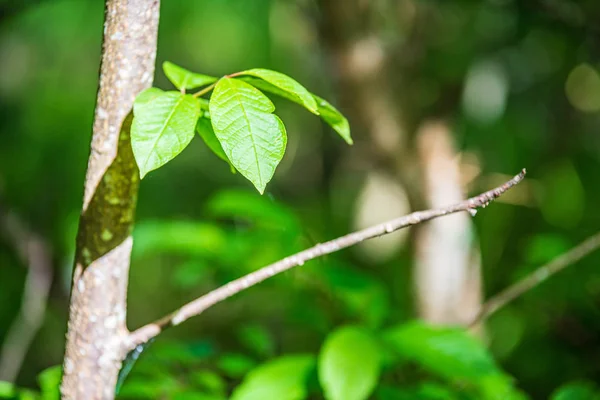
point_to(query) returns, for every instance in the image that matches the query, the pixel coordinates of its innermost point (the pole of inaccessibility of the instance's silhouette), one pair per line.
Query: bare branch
(35, 253)
(197, 306)
(536, 277)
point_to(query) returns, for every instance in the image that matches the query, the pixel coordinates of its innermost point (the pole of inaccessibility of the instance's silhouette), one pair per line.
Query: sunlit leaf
(349, 364)
(163, 125)
(291, 87)
(7, 390)
(334, 118)
(328, 113)
(206, 132)
(49, 380)
(284, 378)
(182, 78)
(252, 137)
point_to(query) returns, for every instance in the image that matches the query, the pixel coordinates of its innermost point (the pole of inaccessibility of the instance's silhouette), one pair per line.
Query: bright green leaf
(284, 378)
(49, 380)
(577, 391)
(349, 364)
(450, 353)
(163, 125)
(206, 132)
(334, 118)
(252, 137)
(291, 87)
(7, 390)
(182, 78)
(328, 113)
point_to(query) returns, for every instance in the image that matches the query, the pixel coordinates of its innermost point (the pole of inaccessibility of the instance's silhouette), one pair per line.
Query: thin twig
(536, 277)
(34, 252)
(202, 303)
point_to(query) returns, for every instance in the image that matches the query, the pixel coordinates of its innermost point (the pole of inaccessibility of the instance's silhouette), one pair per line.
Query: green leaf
(294, 90)
(206, 132)
(7, 390)
(252, 137)
(334, 118)
(209, 381)
(163, 125)
(450, 353)
(184, 79)
(235, 365)
(577, 391)
(257, 339)
(180, 237)
(284, 378)
(328, 113)
(49, 380)
(349, 364)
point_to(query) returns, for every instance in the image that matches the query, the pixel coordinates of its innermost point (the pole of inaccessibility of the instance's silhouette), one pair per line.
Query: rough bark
(97, 331)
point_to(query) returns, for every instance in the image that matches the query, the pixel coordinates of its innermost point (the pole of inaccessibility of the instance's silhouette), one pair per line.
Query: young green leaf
(334, 118)
(252, 137)
(163, 125)
(206, 132)
(284, 378)
(184, 79)
(349, 364)
(328, 113)
(291, 87)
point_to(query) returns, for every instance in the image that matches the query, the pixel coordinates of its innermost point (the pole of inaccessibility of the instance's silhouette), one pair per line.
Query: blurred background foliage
(515, 83)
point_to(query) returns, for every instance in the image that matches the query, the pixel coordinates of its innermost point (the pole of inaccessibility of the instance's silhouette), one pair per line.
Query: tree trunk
(97, 330)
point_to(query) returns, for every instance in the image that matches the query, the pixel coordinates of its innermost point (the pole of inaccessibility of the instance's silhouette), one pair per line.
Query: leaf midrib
(237, 96)
(162, 130)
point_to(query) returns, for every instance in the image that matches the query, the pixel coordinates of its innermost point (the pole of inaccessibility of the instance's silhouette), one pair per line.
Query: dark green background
(49, 61)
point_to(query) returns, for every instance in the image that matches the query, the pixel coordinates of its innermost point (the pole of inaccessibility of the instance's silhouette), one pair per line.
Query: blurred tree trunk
(447, 264)
(448, 287)
(97, 330)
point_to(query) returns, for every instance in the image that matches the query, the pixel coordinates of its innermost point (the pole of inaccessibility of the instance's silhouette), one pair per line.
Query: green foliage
(349, 364)
(328, 113)
(181, 78)
(284, 378)
(243, 130)
(7, 390)
(293, 90)
(49, 380)
(206, 132)
(235, 365)
(452, 354)
(253, 138)
(163, 126)
(577, 391)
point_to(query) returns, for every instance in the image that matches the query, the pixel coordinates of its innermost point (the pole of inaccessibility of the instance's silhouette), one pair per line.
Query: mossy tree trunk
(97, 332)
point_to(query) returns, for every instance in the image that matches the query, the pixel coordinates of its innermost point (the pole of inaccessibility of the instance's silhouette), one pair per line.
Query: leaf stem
(205, 90)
